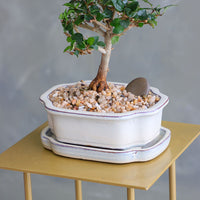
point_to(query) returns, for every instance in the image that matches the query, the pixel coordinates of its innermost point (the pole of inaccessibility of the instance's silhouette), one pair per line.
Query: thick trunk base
(98, 84)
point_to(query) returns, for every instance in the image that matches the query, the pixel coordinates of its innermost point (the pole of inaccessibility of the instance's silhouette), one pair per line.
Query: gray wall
(31, 61)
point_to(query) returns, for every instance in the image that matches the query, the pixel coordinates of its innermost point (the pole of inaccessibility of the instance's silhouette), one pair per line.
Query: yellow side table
(29, 156)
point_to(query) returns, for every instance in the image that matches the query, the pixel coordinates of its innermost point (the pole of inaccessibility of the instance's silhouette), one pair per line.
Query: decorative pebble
(138, 86)
(115, 99)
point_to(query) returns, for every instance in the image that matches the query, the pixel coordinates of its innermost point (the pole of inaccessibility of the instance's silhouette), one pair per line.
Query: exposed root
(98, 85)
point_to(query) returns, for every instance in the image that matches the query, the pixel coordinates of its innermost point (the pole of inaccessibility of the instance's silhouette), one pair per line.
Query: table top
(28, 155)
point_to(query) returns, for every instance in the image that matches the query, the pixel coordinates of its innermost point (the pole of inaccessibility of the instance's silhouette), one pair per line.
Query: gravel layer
(113, 100)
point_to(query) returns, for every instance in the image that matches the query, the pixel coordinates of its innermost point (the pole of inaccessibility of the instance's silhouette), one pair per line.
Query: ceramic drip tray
(138, 153)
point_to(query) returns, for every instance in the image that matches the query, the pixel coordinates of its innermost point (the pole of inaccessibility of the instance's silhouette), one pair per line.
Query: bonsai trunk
(99, 83)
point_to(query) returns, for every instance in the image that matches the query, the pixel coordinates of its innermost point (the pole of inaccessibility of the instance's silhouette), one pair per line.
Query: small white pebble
(81, 107)
(88, 105)
(114, 99)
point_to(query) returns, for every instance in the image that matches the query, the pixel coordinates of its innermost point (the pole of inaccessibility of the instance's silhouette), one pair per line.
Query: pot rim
(44, 99)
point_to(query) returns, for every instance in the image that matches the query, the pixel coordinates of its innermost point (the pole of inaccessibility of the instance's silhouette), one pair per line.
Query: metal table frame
(28, 156)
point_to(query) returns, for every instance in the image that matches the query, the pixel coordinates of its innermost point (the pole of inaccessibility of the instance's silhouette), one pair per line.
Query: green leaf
(118, 29)
(129, 12)
(99, 17)
(76, 53)
(90, 40)
(69, 27)
(166, 7)
(152, 16)
(73, 45)
(61, 16)
(77, 5)
(142, 14)
(146, 1)
(100, 43)
(115, 39)
(81, 45)
(120, 22)
(69, 39)
(89, 1)
(65, 14)
(88, 17)
(119, 25)
(96, 39)
(78, 37)
(68, 5)
(67, 48)
(124, 23)
(133, 6)
(115, 22)
(107, 13)
(95, 47)
(118, 4)
(106, 2)
(153, 23)
(140, 24)
(94, 9)
(79, 20)
(69, 12)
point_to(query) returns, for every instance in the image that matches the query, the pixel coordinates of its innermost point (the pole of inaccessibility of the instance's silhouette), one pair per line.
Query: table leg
(172, 181)
(130, 194)
(78, 189)
(27, 186)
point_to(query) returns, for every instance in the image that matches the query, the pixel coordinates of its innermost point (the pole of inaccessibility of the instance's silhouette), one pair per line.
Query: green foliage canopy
(113, 17)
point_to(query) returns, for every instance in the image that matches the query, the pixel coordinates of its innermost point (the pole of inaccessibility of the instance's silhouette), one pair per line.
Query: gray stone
(138, 86)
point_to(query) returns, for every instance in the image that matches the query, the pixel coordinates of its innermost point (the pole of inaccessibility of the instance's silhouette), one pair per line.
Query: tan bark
(99, 83)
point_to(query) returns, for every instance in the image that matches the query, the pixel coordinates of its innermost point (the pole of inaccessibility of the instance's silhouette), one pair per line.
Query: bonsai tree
(110, 19)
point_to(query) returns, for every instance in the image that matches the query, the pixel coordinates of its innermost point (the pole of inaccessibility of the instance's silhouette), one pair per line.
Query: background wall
(31, 61)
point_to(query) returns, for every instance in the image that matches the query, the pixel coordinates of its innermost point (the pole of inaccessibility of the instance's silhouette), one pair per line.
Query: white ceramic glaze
(133, 154)
(109, 130)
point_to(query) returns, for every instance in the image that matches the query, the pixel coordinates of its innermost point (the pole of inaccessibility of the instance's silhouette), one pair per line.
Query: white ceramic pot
(107, 130)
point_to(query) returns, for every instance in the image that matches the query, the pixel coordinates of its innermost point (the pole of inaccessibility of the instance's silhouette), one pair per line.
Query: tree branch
(67, 34)
(133, 24)
(91, 28)
(99, 24)
(126, 29)
(102, 50)
(76, 29)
